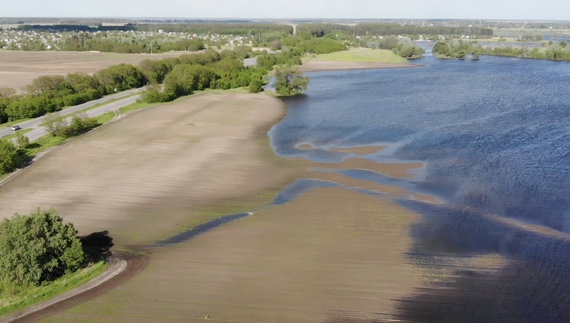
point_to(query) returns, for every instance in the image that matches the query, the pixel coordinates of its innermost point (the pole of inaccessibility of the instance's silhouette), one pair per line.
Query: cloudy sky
(417, 9)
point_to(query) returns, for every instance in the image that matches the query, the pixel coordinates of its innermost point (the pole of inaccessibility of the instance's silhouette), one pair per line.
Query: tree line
(457, 49)
(51, 93)
(387, 29)
(186, 74)
(238, 29)
(461, 49)
(180, 76)
(555, 51)
(121, 43)
(402, 46)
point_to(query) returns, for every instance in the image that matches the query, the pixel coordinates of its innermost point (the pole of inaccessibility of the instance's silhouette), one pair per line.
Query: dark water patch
(288, 194)
(298, 187)
(358, 317)
(514, 293)
(532, 286)
(200, 229)
(493, 133)
(375, 177)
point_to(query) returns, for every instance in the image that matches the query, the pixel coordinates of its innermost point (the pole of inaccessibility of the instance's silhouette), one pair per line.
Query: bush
(37, 247)
(11, 157)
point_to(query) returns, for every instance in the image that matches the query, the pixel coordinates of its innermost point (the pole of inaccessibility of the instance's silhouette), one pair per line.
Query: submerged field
(150, 174)
(329, 255)
(325, 253)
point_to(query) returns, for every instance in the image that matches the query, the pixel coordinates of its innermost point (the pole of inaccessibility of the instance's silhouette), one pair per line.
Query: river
(494, 136)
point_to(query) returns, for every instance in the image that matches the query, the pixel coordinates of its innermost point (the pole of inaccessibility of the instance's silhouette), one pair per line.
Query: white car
(16, 128)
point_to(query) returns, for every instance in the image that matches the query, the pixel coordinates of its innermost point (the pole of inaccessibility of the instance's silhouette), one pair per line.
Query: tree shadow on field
(97, 246)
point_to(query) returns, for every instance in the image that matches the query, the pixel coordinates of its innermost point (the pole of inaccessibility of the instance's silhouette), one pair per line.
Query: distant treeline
(555, 52)
(188, 73)
(238, 29)
(457, 49)
(122, 44)
(208, 70)
(461, 49)
(51, 93)
(178, 21)
(65, 27)
(66, 21)
(386, 29)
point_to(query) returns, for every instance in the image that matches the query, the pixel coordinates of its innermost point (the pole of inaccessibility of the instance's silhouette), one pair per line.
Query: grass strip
(23, 131)
(14, 300)
(360, 55)
(93, 107)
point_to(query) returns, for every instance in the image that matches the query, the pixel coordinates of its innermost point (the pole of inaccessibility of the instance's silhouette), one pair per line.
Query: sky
(266, 9)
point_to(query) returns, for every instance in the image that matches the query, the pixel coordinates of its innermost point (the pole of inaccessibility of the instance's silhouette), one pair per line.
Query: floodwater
(494, 136)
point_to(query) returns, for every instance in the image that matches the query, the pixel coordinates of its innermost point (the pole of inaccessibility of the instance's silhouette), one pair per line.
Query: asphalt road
(39, 131)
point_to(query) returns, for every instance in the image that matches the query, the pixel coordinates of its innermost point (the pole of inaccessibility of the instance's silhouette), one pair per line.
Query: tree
(289, 80)
(22, 140)
(256, 84)
(55, 123)
(37, 247)
(11, 157)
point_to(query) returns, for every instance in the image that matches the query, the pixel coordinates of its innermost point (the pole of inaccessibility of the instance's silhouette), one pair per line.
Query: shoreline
(176, 257)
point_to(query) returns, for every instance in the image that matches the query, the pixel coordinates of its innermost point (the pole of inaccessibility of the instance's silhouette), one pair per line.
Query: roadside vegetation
(166, 80)
(42, 257)
(18, 151)
(52, 93)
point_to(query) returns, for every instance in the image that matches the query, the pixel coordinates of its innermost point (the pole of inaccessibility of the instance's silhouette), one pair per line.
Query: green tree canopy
(37, 247)
(11, 157)
(289, 80)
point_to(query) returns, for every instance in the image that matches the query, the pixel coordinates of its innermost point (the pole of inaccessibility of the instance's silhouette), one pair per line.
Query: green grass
(44, 143)
(137, 106)
(26, 297)
(23, 131)
(361, 55)
(11, 123)
(95, 106)
(105, 117)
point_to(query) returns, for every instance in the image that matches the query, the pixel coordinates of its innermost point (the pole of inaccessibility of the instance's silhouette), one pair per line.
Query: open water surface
(494, 136)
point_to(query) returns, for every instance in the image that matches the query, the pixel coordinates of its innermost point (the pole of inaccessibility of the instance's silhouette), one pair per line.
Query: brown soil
(19, 68)
(151, 174)
(397, 170)
(320, 66)
(330, 253)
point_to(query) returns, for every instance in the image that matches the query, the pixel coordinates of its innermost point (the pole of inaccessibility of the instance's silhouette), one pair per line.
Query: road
(38, 131)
